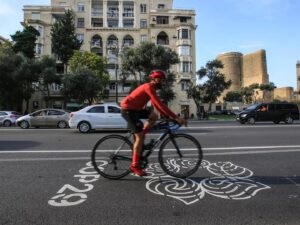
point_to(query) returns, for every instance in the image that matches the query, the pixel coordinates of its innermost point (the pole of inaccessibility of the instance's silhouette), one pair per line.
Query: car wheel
(276, 121)
(7, 123)
(251, 120)
(24, 124)
(62, 124)
(84, 127)
(289, 120)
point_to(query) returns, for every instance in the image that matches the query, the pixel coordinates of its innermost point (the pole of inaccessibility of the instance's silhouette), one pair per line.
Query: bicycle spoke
(180, 155)
(111, 156)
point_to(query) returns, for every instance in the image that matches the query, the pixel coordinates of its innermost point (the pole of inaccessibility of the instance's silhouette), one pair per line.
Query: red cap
(158, 74)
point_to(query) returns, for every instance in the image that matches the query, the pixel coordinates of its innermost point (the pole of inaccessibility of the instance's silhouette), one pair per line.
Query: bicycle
(179, 155)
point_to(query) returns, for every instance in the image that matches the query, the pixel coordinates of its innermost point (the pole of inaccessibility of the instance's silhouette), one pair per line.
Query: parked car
(276, 112)
(8, 118)
(44, 118)
(101, 116)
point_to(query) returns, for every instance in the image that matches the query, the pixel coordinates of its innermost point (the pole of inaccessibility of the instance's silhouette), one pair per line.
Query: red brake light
(71, 115)
(13, 116)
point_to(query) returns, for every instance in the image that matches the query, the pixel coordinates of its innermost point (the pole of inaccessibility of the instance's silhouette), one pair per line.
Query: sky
(241, 26)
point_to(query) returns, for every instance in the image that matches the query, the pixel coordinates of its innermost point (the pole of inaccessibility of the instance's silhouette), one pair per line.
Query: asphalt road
(249, 175)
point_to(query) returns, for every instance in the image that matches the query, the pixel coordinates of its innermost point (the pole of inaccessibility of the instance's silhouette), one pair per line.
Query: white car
(9, 118)
(102, 116)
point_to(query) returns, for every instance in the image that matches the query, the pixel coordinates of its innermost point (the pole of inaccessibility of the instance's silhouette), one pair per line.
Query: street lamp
(113, 59)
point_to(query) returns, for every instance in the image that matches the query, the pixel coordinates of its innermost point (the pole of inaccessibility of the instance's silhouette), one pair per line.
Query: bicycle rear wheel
(111, 156)
(180, 155)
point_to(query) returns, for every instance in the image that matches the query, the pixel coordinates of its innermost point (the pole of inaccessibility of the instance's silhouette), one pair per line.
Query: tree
(145, 58)
(249, 93)
(63, 38)
(233, 96)
(215, 83)
(27, 74)
(266, 89)
(9, 89)
(82, 85)
(196, 92)
(24, 41)
(94, 64)
(48, 76)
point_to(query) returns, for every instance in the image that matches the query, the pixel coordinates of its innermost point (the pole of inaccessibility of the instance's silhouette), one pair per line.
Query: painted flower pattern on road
(228, 181)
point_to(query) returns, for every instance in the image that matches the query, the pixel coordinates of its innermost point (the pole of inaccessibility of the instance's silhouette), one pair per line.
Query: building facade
(107, 26)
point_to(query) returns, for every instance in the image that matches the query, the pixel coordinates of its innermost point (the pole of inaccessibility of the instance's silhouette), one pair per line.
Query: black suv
(276, 112)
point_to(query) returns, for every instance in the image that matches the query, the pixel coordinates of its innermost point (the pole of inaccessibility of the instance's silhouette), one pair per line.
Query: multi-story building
(106, 26)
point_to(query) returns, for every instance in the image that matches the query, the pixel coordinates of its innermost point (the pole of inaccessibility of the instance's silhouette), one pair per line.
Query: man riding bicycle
(133, 110)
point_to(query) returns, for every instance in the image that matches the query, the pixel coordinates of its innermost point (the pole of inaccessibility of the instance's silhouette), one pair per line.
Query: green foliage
(27, 74)
(83, 84)
(63, 37)
(24, 41)
(233, 96)
(88, 60)
(215, 83)
(48, 76)
(9, 89)
(196, 92)
(140, 61)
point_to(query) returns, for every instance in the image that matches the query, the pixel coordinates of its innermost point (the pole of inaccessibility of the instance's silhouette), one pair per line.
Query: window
(161, 6)
(185, 67)
(162, 20)
(143, 8)
(80, 22)
(39, 49)
(128, 23)
(183, 19)
(55, 113)
(184, 85)
(40, 30)
(144, 38)
(113, 109)
(185, 34)
(80, 37)
(80, 7)
(143, 23)
(112, 86)
(184, 50)
(35, 15)
(96, 109)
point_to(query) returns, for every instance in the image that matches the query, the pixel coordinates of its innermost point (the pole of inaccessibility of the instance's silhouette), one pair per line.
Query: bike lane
(227, 189)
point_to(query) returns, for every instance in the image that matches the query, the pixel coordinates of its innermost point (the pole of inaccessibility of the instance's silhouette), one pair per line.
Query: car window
(113, 109)
(55, 113)
(271, 107)
(96, 109)
(2, 114)
(40, 113)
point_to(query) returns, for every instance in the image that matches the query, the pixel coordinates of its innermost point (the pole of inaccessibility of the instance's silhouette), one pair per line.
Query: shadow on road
(17, 145)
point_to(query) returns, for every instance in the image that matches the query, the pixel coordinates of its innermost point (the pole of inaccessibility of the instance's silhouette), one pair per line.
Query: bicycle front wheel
(180, 155)
(111, 156)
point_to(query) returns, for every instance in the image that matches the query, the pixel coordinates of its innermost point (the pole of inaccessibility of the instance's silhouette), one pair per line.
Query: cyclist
(133, 109)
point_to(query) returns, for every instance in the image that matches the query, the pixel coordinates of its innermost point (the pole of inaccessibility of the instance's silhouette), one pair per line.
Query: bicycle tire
(106, 162)
(174, 164)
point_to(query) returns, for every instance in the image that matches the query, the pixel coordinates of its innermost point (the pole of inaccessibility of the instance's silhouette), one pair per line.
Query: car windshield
(251, 107)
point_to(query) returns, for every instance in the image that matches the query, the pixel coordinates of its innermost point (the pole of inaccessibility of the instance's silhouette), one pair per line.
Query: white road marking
(152, 156)
(204, 149)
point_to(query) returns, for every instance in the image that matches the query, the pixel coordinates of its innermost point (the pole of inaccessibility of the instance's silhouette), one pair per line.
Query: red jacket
(138, 99)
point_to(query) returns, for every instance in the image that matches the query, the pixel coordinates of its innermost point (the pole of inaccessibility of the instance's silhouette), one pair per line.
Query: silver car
(8, 118)
(44, 118)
